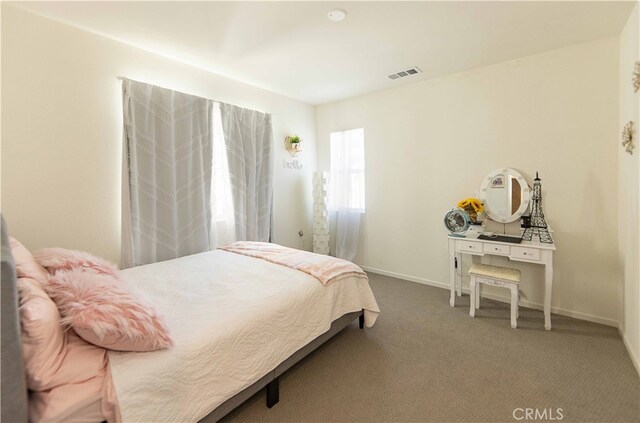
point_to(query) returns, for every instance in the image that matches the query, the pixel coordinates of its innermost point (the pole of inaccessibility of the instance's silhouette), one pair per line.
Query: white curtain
(223, 230)
(347, 233)
(346, 195)
(248, 137)
(166, 174)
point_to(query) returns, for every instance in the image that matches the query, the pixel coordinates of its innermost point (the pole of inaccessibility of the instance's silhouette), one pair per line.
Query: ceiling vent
(407, 72)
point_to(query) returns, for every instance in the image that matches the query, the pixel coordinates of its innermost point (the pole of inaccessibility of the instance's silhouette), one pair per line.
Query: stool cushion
(497, 272)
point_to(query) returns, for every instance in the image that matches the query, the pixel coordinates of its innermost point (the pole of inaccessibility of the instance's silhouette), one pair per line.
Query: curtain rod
(122, 78)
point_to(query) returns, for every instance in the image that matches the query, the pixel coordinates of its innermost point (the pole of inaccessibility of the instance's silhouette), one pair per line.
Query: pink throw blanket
(324, 268)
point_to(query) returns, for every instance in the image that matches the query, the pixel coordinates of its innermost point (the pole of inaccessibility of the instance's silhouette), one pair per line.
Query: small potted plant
(294, 144)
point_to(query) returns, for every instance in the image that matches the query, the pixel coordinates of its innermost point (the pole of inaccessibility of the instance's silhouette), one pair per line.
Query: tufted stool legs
(495, 276)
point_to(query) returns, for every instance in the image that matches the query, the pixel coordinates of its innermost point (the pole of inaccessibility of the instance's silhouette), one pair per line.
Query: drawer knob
(496, 248)
(524, 253)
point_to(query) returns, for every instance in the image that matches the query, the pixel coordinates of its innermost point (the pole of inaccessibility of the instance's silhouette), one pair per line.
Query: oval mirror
(505, 195)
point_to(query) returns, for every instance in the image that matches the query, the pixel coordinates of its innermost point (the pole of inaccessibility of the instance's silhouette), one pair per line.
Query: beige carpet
(425, 361)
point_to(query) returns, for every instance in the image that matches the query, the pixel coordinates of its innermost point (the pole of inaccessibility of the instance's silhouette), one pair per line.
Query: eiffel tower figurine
(538, 225)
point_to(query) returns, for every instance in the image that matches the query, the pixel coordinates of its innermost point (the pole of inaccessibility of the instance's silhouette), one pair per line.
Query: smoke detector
(407, 72)
(337, 15)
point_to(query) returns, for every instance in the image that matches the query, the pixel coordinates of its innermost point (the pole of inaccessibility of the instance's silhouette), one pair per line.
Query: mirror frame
(526, 197)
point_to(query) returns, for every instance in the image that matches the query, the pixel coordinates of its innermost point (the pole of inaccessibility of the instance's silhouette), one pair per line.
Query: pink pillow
(43, 338)
(26, 264)
(79, 381)
(56, 259)
(102, 311)
(57, 362)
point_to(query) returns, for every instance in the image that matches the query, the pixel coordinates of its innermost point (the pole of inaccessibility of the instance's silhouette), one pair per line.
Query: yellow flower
(471, 203)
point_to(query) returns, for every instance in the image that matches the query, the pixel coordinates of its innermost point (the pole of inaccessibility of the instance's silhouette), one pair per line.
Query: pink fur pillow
(104, 312)
(56, 259)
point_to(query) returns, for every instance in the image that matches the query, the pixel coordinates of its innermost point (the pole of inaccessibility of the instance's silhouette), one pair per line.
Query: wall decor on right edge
(636, 78)
(627, 137)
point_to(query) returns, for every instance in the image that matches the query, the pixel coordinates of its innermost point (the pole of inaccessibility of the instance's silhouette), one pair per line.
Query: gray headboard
(13, 393)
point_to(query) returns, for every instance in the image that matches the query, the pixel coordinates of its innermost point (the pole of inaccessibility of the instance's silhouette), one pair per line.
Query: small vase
(473, 215)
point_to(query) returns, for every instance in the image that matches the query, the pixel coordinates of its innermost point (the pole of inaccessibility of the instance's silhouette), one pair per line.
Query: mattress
(233, 318)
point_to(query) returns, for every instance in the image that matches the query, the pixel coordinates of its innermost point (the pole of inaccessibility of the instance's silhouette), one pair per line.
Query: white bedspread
(234, 319)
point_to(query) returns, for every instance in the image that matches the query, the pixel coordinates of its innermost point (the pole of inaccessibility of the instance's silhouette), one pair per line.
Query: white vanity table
(506, 197)
(528, 251)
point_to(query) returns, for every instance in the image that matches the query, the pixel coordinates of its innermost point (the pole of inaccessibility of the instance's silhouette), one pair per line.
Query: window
(347, 170)
(222, 216)
(222, 201)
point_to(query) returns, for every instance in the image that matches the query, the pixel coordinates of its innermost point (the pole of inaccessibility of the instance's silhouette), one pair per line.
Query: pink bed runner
(324, 268)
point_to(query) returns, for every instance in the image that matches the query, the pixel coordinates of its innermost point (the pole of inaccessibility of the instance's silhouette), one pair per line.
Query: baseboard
(634, 358)
(505, 299)
(557, 310)
(407, 277)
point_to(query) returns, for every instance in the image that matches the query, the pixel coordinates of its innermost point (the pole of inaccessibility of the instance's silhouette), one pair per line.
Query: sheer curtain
(166, 174)
(346, 196)
(248, 138)
(223, 220)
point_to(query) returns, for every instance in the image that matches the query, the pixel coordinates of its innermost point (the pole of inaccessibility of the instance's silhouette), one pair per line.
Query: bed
(259, 318)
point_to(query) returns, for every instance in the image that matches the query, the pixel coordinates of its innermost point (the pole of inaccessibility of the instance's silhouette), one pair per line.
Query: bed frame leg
(361, 321)
(273, 392)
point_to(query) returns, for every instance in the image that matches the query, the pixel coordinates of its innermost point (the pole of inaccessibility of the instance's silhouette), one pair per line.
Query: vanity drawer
(469, 246)
(497, 249)
(525, 253)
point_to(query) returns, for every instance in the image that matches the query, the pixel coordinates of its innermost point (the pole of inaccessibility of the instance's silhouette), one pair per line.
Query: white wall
(62, 133)
(629, 190)
(429, 144)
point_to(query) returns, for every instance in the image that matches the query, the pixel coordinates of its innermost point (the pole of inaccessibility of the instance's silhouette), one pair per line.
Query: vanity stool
(496, 276)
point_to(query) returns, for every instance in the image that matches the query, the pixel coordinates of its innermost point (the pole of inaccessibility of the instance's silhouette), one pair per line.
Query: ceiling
(293, 49)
